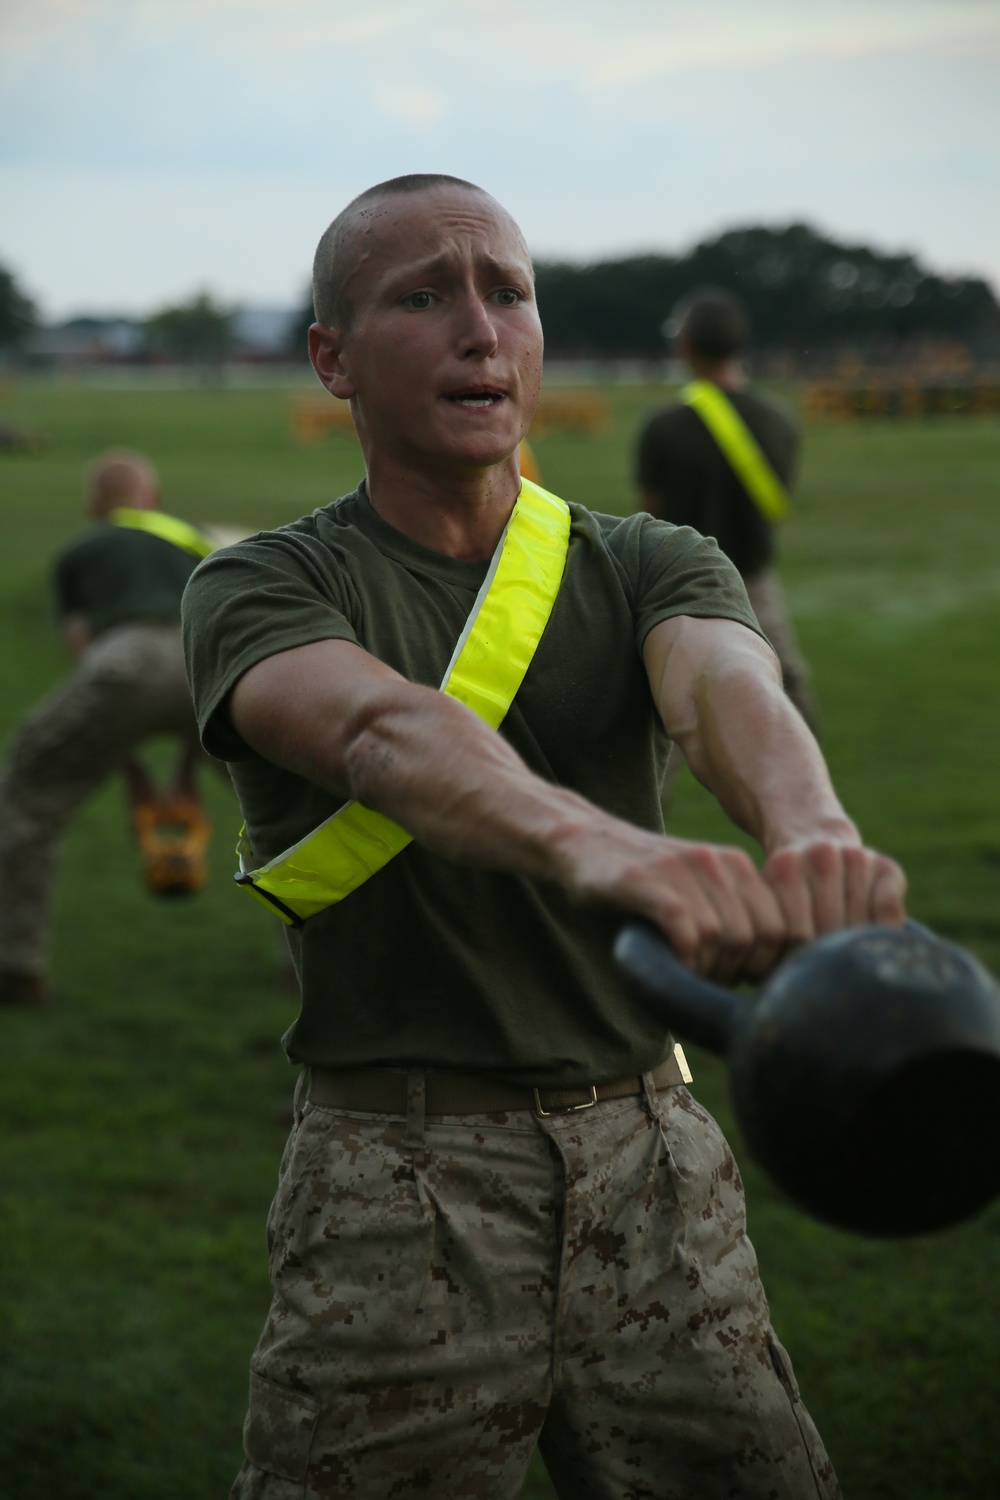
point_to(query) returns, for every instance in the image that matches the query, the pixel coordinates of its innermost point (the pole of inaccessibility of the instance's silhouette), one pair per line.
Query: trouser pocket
(279, 1429)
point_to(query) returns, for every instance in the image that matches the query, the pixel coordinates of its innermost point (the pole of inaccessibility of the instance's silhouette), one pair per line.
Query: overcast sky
(151, 148)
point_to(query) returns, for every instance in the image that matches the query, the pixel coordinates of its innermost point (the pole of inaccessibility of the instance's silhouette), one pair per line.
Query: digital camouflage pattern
(449, 1293)
(130, 684)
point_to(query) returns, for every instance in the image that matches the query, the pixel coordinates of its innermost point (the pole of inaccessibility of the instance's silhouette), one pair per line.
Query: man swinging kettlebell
(118, 591)
(495, 1155)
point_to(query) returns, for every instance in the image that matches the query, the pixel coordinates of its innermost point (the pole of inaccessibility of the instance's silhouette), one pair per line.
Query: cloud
(645, 123)
(248, 84)
(675, 33)
(415, 105)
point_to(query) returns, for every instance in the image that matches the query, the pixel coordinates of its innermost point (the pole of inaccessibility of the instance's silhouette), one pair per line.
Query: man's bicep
(679, 652)
(300, 708)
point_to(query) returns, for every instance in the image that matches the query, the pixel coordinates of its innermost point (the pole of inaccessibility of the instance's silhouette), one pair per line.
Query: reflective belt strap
(167, 528)
(487, 667)
(740, 448)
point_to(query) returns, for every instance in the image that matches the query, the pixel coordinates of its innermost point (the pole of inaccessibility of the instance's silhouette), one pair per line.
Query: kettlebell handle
(701, 1012)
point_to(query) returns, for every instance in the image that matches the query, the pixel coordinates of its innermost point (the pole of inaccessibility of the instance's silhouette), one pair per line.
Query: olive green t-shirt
(114, 575)
(430, 962)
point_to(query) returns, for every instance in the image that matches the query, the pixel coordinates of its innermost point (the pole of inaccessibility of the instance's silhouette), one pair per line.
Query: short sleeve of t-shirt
(672, 571)
(246, 603)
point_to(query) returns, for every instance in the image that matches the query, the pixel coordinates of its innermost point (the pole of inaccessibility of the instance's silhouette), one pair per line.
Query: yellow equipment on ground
(172, 834)
(889, 396)
(529, 463)
(586, 412)
(570, 411)
(311, 420)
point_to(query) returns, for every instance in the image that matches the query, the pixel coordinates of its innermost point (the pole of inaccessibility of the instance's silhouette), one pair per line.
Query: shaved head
(121, 477)
(340, 250)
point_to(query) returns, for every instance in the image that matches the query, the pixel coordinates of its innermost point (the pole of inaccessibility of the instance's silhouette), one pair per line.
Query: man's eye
(507, 296)
(418, 300)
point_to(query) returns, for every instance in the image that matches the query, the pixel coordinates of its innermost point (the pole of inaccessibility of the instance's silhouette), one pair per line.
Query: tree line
(199, 331)
(806, 295)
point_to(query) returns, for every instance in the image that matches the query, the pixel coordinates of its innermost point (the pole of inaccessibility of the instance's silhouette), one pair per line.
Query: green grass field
(141, 1124)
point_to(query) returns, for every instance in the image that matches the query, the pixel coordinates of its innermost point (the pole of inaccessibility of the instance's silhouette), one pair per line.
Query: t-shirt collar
(403, 549)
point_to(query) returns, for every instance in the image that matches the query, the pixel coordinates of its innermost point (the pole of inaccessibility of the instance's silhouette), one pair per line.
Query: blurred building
(256, 336)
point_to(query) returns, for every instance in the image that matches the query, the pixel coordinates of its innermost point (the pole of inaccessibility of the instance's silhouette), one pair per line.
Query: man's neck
(727, 373)
(461, 515)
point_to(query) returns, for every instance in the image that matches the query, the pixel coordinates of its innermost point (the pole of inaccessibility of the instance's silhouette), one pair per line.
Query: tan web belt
(383, 1091)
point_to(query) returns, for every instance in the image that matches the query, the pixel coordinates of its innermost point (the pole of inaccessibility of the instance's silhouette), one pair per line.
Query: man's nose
(477, 332)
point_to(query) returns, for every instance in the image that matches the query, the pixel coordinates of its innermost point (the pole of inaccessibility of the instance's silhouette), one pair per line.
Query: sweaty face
(445, 351)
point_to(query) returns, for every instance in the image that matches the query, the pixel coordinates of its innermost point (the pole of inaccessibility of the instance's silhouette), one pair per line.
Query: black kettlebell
(865, 1074)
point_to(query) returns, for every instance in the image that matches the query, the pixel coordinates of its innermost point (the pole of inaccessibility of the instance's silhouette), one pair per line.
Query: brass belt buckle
(567, 1109)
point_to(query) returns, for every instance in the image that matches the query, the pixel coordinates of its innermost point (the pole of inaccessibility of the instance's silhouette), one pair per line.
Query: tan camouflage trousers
(128, 686)
(450, 1293)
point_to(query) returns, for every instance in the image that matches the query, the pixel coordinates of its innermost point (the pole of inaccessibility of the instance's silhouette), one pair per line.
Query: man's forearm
(718, 688)
(461, 789)
(359, 730)
(753, 751)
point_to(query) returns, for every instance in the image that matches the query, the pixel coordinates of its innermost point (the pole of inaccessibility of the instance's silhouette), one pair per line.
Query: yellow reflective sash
(739, 447)
(168, 528)
(487, 667)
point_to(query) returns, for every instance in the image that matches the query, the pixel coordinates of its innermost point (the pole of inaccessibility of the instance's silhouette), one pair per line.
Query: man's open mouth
(478, 398)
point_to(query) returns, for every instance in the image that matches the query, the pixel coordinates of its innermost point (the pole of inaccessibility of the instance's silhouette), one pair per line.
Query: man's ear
(325, 346)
